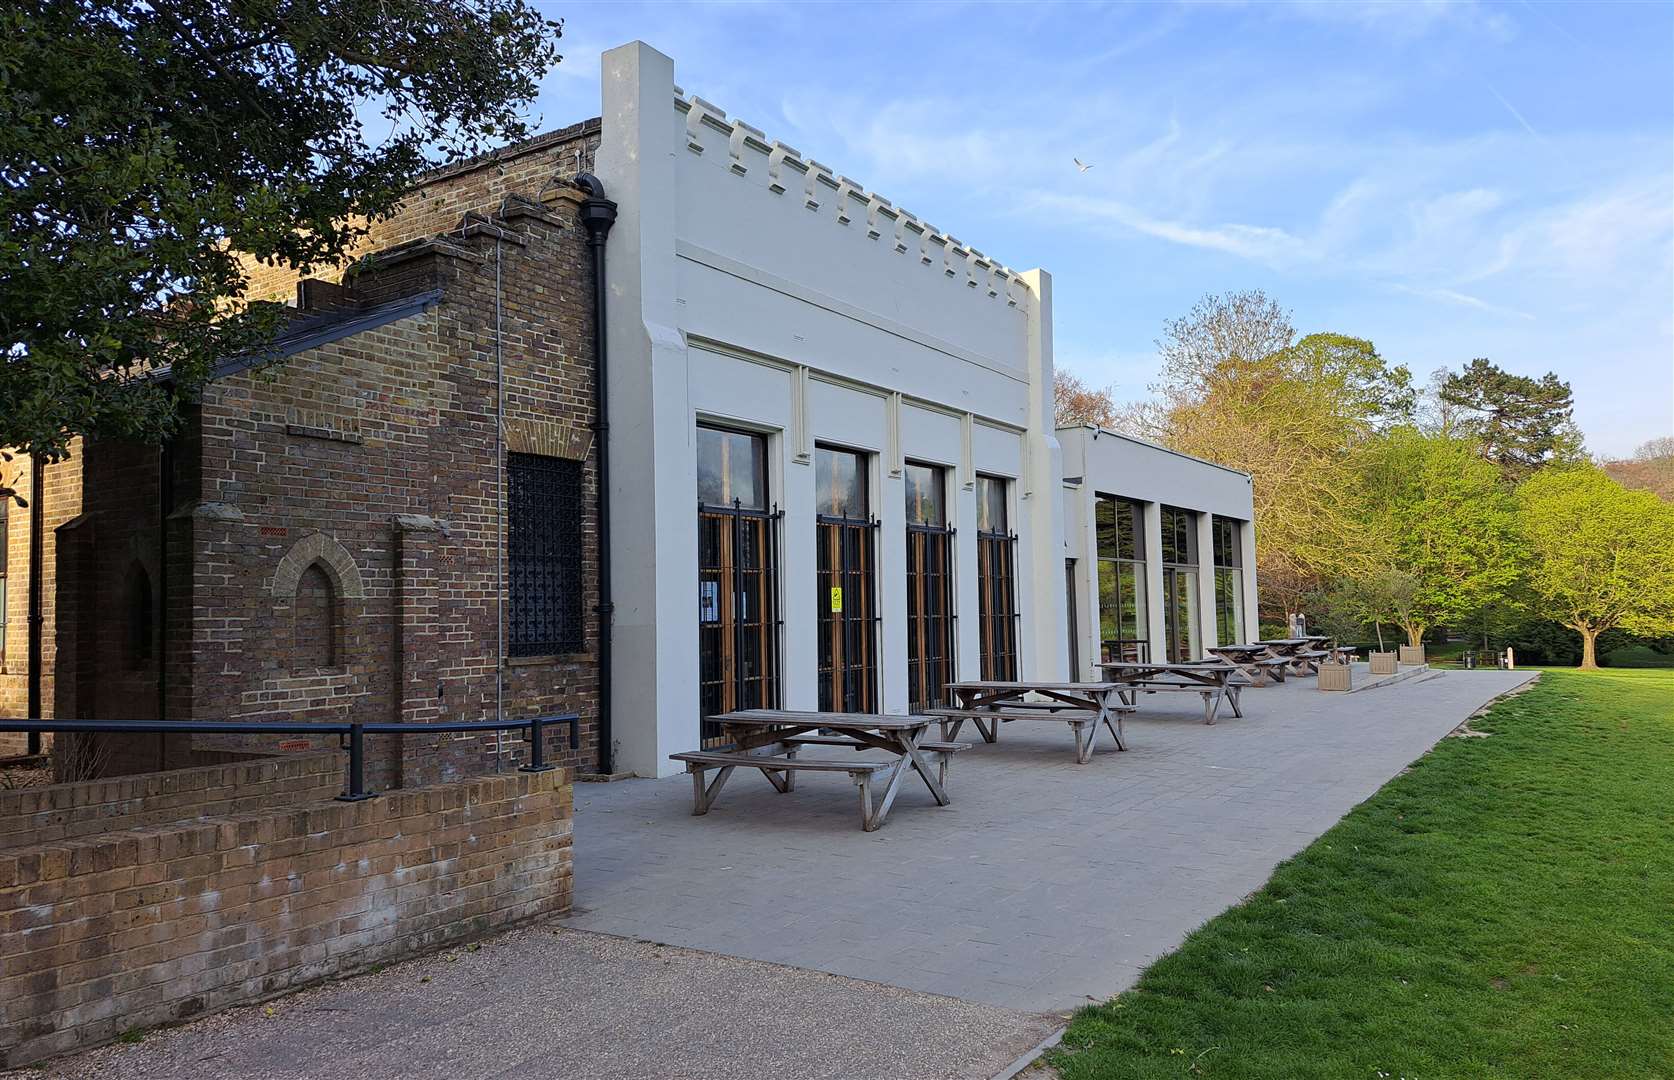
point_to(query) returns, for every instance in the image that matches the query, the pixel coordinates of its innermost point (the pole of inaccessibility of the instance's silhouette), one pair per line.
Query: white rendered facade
(756, 291)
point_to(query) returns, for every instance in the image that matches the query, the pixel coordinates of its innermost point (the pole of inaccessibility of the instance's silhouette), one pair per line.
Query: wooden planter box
(1411, 655)
(1383, 663)
(1335, 677)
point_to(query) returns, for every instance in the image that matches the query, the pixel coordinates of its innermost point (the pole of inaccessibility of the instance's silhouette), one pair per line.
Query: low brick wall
(30, 816)
(146, 926)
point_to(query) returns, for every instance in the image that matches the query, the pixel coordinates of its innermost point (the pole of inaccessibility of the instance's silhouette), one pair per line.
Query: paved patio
(1045, 884)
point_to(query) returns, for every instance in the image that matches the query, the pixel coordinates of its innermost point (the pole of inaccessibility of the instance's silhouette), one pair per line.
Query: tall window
(543, 546)
(314, 620)
(1123, 630)
(1179, 559)
(845, 579)
(1229, 580)
(738, 585)
(996, 581)
(929, 587)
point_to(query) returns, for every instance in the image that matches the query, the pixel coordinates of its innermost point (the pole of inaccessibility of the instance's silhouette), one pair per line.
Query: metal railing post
(537, 747)
(356, 791)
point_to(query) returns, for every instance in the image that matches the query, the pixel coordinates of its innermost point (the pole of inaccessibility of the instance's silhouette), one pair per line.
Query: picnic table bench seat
(1212, 695)
(940, 748)
(1083, 722)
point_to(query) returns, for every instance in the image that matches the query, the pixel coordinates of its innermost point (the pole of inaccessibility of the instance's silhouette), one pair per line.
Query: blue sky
(1449, 180)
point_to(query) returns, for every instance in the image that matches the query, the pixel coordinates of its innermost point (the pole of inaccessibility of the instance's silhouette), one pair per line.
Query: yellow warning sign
(837, 601)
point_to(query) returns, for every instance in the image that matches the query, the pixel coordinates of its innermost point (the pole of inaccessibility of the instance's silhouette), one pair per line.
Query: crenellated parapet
(782, 170)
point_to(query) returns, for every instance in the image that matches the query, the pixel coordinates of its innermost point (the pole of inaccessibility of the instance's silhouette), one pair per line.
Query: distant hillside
(1651, 467)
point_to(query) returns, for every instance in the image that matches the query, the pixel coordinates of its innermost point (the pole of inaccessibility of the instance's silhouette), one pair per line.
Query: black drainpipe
(37, 541)
(598, 214)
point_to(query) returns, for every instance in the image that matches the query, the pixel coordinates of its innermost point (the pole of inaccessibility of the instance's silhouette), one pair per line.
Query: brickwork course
(323, 540)
(146, 926)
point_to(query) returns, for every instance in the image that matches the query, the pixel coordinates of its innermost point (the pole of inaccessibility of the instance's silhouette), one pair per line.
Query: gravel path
(548, 1002)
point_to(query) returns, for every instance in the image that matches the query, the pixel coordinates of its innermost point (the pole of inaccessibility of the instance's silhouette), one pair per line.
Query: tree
(1218, 331)
(1383, 594)
(146, 144)
(1521, 423)
(1074, 402)
(1289, 416)
(1602, 556)
(1438, 513)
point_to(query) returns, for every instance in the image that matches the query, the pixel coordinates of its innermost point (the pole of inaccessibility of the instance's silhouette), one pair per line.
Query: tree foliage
(1602, 556)
(1436, 512)
(1521, 423)
(1240, 389)
(145, 143)
(1075, 402)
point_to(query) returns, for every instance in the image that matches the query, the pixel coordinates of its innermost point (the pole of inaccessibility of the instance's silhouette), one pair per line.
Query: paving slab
(1045, 884)
(548, 1002)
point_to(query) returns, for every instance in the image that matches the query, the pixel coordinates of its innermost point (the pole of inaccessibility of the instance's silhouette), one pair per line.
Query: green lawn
(1504, 909)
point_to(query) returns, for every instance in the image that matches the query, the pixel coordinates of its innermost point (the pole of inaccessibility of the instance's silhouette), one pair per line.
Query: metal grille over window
(845, 579)
(929, 587)
(738, 578)
(543, 543)
(996, 581)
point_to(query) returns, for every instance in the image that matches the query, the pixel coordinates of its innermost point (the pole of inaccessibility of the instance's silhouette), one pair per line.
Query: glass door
(1182, 641)
(996, 575)
(845, 580)
(738, 584)
(929, 588)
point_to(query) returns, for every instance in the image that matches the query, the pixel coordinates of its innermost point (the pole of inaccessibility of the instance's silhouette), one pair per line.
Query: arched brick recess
(338, 564)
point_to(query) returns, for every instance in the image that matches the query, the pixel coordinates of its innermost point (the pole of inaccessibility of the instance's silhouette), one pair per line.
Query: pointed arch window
(314, 621)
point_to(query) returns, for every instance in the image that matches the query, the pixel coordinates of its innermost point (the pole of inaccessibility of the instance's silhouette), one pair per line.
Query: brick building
(342, 536)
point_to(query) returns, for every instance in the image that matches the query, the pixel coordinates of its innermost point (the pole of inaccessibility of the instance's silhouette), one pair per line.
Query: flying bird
(1081, 166)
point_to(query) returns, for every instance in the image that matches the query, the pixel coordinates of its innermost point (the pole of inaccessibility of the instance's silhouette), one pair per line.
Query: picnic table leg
(875, 821)
(1085, 732)
(911, 754)
(704, 797)
(1211, 703)
(1232, 693)
(951, 729)
(863, 781)
(1105, 713)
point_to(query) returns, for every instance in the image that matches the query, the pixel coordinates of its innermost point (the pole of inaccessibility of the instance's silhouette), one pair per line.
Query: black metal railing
(353, 736)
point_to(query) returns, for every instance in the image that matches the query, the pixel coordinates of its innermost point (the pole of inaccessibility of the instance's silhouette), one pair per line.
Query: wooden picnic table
(1083, 706)
(1256, 660)
(1212, 679)
(1303, 654)
(770, 740)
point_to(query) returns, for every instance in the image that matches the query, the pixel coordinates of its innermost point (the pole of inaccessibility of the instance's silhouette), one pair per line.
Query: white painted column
(890, 504)
(1206, 584)
(1087, 584)
(1155, 632)
(1252, 617)
(653, 481)
(967, 645)
(1044, 652)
